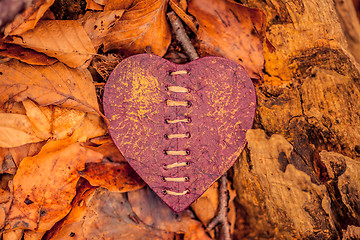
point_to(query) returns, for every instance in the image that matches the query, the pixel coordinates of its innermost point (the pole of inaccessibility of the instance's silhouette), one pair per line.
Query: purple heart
(179, 126)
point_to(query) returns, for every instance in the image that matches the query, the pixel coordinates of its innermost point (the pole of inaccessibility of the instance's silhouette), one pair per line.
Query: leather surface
(222, 109)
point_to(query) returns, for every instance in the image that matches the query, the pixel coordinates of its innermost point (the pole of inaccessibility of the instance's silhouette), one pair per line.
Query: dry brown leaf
(32, 235)
(143, 27)
(44, 185)
(24, 54)
(48, 85)
(98, 24)
(231, 30)
(28, 19)
(109, 215)
(65, 40)
(92, 5)
(42, 123)
(16, 234)
(16, 130)
(113, 173)
(116, 177)
(5, 203)
(10, 158)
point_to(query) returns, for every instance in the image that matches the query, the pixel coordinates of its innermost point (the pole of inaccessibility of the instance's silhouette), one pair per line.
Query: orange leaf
(98, 24)
(176, 6)
(25, 55)
(48, 85)
(92, 5)
(142, 27)
(44, 185)
(65, 40)
(28, 19)
(231, 30)
(116, 177)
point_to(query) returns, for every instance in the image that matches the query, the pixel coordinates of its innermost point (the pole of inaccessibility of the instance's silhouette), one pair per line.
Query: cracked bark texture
(299, 176)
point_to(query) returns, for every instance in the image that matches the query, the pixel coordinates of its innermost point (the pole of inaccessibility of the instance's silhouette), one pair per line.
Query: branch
(181, 36)
(221, 217)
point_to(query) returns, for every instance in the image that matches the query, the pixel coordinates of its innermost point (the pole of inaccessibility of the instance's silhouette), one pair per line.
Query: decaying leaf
(48, 85)
(143, 27)
(15, 234)
(231, 30)
(44, 185)
(28, 19)
(24, 54)
(65, 40)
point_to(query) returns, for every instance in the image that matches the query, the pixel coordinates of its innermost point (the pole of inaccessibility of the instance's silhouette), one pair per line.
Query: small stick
(181, 36)
(221, 217)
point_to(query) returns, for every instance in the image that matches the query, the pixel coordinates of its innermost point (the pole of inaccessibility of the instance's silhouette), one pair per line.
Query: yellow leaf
(65, 40)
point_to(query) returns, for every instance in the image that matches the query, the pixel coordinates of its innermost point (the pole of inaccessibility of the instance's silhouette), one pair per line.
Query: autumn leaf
(48, 85)
(28, 19)
(98, 24)
(16, 130)
(44, 185)
(110, 215)
(65, 40)
(24, 54)
(230, 30)
(143, 27)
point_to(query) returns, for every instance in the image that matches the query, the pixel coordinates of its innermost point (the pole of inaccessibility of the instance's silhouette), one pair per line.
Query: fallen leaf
(5, 203)
(142, 27)
(48, 85)
(33, 235)
(109, 215)
(16, 130)
(116, 177)
(10, 158)
(44, 185)
(105, 146)
(24, 54)
(98, 24)
(92, 5)
(231, 30)
(28, 19)
(15, 234)
(65, 40)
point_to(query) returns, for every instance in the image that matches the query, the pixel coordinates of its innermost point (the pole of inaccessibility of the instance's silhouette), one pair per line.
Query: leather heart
(179, 126)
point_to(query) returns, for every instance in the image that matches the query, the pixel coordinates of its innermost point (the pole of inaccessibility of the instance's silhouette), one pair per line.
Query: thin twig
(221, 217)
(181, 36)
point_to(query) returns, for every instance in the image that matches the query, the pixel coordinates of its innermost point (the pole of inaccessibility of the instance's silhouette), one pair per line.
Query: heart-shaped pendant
(179, 126)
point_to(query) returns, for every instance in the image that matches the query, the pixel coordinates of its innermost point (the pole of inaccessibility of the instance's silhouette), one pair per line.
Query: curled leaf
(65, 40)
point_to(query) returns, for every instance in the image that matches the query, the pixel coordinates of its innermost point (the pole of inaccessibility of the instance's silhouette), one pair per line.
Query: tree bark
(300, 174)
